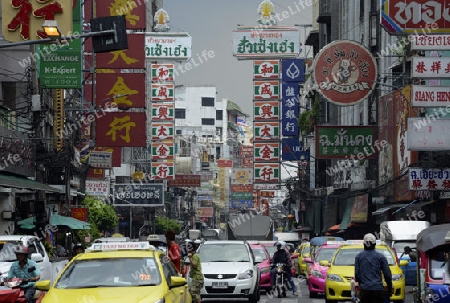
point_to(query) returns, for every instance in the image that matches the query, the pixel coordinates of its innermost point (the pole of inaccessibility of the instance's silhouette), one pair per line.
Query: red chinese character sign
(121, 129)
(163, 170)
(266, 90)
(266, 131)
(23, 19)
(163, 92)
(162, 131)
(162, 72)
(162, 150)
(133, 57)
(403, 17)
(163, 111)
(266, 110)
(134, 11)
(266, 173)
(126, 90)
(345, 72)
(268, 151)
(430, 67)
(266, 69)
(429, 179)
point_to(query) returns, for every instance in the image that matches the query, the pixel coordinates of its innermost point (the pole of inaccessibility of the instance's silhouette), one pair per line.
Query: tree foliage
(163, 224)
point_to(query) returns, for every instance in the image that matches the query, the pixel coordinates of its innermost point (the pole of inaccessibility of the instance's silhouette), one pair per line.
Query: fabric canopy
(432, 237)
(56, 220)
(19, 182)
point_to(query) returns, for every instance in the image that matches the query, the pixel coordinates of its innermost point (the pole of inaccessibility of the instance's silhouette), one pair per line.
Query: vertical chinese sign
(163, 48)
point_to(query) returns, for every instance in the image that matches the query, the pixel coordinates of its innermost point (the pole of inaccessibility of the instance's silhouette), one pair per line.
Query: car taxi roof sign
(120, 246)
(360, 242)
(335, 242)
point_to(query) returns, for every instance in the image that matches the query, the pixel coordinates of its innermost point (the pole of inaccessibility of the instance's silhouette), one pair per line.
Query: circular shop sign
(345, 72)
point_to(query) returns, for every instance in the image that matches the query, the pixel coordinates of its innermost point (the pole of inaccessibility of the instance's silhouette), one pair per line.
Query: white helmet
(369, 240)
(280, 243)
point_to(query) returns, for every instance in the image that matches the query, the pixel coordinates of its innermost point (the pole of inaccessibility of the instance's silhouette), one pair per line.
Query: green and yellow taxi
(117, 272)
(342, 270)
(303, 252)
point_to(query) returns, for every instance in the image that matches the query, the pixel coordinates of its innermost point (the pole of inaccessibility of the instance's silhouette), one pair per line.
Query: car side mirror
(43, 285)
(37, 257)
(308, 260)
(258, 259)
(403, 262)
(177, 281)
(324, 263)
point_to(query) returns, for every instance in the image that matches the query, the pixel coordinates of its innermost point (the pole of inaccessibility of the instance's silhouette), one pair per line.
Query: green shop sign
(343, 142)
(241, 196)
(61, 69)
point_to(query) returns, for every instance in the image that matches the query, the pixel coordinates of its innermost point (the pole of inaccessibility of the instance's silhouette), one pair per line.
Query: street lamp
(51, 29)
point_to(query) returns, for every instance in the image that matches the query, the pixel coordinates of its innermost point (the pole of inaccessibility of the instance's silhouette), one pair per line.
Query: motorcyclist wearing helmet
(25, 269)
(369, 264)
(282, 256)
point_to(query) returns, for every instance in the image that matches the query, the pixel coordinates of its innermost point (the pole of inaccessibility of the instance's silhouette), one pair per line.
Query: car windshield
(224, 253)
(259, 252)
(346, 257)
(7, 250)
(271, 249)
(438, 262)
(325, 254)
(117, 272)
(400, 246)
(306, 250)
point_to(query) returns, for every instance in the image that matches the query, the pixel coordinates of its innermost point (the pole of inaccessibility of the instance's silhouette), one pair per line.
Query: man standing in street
(195, 273)
(369, 264)
(173, 250)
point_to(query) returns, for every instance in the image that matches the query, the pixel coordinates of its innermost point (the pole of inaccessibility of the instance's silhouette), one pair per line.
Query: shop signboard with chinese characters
(79, 213)
(246, 151)
(163, 92)
(343, 142)
(266, 69)
(97, 188)
(415, 17)
(247, 161)
(131, 58)
(124, 89)
(162, 131)
(266, 131)
(168, 46)
(135, 15)
(23, 20)
(121, 129)
(425, 134)
(225, 163)
(162, 72)
(185, 181)
(430, 67)
(293, 70)
(162, 170)
(267, 152)
(100, 159)
(163, 111)
(252, 43)
(289, 109)
(241, 176)
(266, 110)
(138, 194)
(162, 150)
(430, 42)
(266, 173)
(266, 90)
(431, 96)
(429, 178)
(345, 72)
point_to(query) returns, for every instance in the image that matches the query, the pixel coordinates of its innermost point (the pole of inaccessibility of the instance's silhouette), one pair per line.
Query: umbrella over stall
(56, 220)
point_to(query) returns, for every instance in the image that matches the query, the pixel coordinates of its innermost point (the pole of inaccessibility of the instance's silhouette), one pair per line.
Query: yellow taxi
(118, 272)
(342, 270)
(303, 252)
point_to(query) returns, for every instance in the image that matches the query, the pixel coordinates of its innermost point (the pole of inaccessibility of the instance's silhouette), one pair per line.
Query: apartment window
(219, 115)
(180, 113)
(208, 121)
(207, 101)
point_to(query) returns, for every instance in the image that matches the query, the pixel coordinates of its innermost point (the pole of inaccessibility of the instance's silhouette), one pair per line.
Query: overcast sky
(210, 24)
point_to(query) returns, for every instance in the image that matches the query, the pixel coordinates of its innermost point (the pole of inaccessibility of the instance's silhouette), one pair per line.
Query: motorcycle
(10, 291)
(281, 280)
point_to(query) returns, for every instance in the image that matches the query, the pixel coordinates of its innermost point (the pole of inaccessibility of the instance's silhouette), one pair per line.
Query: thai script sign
(139, 194)
(402, 17)
(345, 72)
(430, 42)
(100, 159)
(168, 46)
(266, 173)
(270, 42)
(97, 188)
(267, 90)
(266, 110)
(344, 141)
(429, 178)
(266, 152)
(185, 180)
(430, 96)
(430, 67)
(266, 69)
(425, 134)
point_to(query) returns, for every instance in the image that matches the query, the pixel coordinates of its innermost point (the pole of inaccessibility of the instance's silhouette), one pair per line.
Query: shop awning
(386, 208)
(56, 220)
(19, 182)
(347, 214)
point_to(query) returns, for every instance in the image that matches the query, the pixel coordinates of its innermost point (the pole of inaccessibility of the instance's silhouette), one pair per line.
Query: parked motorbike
(281, 280)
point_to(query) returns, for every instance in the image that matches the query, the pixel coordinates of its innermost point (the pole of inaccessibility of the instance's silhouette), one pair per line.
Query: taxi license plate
(220, 284)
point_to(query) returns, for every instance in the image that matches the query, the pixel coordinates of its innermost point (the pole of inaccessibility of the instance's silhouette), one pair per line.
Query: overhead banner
(135, 194)
(429, 178)
(266, 42)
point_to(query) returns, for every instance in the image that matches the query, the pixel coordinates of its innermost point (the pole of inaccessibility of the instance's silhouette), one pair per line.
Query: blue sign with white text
(292, 150)
(289, 109)
(293, 70)
(241, 203)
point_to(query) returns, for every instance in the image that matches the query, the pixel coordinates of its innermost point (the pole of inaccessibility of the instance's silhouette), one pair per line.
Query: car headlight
(265, 270)
(429, 293)
(316, 273)
(334, 278)
(397, 277)
(248, 274)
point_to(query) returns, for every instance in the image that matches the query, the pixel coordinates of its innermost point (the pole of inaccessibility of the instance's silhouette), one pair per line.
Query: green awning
(56, 220)
(347, 214)
(231, 106)
(19, 182)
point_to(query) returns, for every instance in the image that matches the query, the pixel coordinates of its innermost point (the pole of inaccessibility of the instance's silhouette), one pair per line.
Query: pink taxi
(262, 257)
(318, 267)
